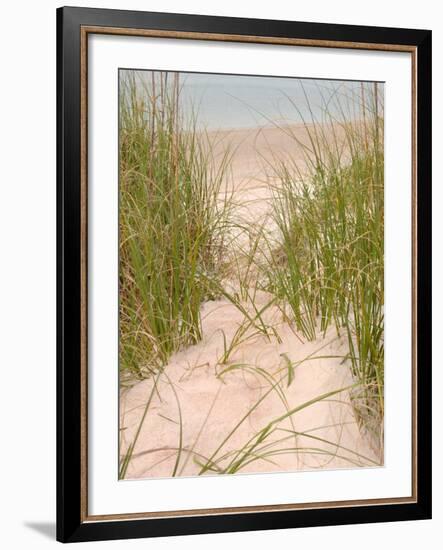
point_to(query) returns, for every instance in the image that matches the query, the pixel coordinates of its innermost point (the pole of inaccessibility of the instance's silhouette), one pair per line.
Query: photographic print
(251, 274)
(241, 220)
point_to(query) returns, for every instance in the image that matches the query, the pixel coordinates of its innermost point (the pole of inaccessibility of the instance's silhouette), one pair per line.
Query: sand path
(221, 410)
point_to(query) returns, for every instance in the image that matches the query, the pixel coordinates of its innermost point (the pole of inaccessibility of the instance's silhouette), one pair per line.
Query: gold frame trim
(84, 32)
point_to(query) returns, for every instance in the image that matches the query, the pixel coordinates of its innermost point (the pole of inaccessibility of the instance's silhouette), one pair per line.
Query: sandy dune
(205, 412)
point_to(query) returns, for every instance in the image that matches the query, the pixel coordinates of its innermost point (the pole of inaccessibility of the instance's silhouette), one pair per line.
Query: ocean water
(221, 101)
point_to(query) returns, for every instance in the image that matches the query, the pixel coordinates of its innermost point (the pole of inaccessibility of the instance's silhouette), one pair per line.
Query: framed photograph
(244, 274)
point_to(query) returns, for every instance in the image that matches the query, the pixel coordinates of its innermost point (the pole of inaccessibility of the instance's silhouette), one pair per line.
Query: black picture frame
(72, 523)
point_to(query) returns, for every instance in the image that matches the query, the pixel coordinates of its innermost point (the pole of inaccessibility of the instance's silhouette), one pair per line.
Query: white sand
(212, 405)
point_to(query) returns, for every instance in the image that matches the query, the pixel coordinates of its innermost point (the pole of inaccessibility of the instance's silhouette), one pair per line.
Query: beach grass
(328, 265)
(171, 223)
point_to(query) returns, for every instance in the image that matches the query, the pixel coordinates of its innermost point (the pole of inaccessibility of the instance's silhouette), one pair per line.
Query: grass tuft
(172, 221)
(329, 263)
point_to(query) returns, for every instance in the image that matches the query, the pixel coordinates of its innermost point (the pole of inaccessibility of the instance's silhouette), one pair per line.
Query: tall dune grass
(328, 265)
(171, 222)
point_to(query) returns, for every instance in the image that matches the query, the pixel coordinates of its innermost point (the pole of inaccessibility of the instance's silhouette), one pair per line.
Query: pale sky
(233, 101)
